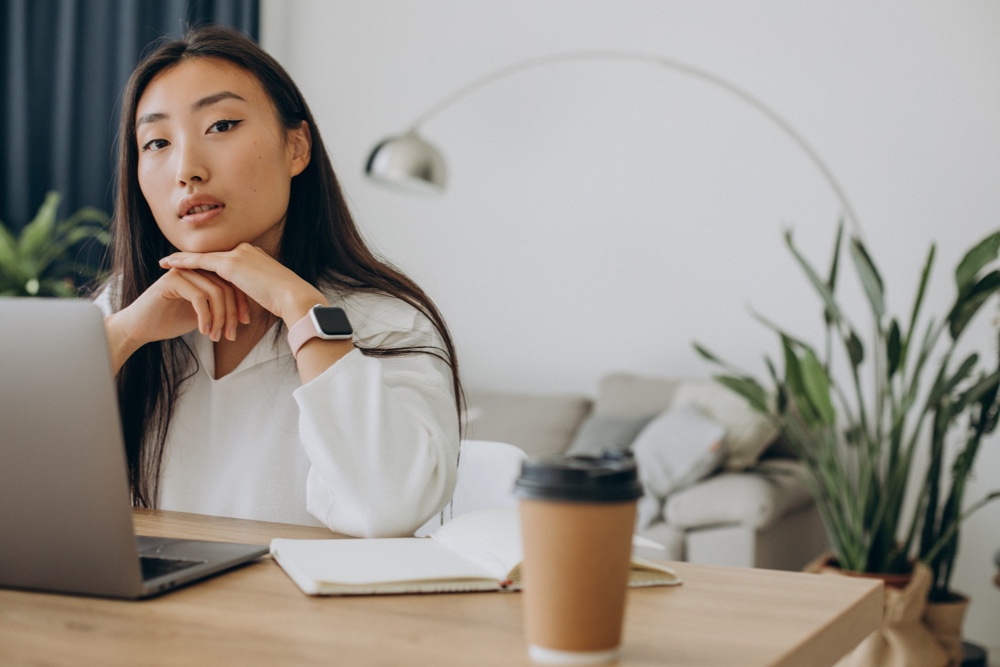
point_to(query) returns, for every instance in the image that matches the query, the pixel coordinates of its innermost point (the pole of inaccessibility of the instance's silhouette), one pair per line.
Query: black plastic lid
(600, 479)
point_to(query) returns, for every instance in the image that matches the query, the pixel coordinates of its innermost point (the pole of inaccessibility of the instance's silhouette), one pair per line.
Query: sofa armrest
(755, 498)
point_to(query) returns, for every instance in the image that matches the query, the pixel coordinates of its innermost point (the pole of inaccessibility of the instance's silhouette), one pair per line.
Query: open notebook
(477, 551)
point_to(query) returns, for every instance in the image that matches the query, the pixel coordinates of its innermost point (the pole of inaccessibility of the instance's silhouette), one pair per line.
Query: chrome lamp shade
(408, 162)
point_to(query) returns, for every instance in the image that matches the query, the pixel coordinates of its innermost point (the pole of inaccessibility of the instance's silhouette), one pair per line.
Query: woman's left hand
(264, 279)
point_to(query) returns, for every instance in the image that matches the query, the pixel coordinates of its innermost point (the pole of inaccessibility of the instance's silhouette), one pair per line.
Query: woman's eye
(155, 144)
(223, 125)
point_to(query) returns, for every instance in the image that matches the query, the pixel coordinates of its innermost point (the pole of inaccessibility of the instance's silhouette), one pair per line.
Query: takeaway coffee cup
(577, 519)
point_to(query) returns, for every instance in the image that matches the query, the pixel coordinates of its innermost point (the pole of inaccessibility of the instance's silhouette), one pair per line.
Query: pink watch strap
(302, 331)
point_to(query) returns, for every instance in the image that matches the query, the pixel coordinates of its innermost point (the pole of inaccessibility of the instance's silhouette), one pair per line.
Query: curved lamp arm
(411, 161)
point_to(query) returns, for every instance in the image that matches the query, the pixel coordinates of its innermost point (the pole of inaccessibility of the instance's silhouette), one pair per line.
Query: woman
(229, 228)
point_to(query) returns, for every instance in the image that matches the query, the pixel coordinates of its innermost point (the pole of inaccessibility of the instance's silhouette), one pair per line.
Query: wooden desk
(257, 616)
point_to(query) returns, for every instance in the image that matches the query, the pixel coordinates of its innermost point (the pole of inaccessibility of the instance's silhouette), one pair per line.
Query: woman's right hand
(182, 300)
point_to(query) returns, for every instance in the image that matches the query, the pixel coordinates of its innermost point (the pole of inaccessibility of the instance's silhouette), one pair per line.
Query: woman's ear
(300, 145)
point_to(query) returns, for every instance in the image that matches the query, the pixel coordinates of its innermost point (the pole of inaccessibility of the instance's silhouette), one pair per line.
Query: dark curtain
(63, 65)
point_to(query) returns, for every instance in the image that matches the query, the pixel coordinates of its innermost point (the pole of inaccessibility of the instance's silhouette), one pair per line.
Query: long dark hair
(320, 242)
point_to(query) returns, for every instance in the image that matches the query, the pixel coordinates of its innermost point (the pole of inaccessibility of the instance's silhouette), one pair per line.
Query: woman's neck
(229, 354)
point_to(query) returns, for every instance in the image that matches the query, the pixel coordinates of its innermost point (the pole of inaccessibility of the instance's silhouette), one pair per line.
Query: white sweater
(368, 448)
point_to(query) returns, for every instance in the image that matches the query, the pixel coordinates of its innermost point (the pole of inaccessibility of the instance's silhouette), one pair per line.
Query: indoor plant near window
(863, 416)
(40, 261)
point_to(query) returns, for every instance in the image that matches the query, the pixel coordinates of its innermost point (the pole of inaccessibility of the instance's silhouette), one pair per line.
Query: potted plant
(859, 414)
(40, 261)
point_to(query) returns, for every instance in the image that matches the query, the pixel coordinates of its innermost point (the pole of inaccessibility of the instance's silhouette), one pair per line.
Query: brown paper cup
(575, 577)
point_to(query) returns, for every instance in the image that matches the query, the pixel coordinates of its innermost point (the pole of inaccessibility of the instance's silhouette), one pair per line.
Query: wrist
(121, 344)
(299, 305)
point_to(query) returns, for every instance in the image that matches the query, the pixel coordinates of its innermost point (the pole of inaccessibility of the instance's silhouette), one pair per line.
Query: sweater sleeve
(381, 432)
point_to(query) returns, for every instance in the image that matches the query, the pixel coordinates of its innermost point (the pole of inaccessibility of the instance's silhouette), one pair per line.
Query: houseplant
(864, 416)
(40, 261)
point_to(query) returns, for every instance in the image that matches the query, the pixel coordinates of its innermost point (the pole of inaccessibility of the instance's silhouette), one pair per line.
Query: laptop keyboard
(153, 567)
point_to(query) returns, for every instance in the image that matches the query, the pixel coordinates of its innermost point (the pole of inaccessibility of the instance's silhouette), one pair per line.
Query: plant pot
(903, 640)
(945, 619)
(827, 564)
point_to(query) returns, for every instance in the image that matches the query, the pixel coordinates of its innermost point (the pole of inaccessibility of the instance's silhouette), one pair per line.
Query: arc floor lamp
(409, 161)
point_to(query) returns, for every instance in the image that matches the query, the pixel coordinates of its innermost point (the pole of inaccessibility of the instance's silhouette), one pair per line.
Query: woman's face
(215, 164)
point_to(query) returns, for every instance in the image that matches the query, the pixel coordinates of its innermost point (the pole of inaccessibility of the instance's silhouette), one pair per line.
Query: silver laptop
(65, 515)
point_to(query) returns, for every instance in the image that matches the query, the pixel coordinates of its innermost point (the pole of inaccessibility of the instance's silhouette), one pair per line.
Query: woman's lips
(199, 207)
(199, 215)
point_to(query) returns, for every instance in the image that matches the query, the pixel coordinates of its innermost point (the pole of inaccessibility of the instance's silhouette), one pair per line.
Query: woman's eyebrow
(212, 99)
(150, 118)
(206, 101)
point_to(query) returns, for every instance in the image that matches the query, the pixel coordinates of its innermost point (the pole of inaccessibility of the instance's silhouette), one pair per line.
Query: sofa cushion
(540, 424)
(679, 447)
(627, 395)
(748, 433)
(602, 432)
(755, 499)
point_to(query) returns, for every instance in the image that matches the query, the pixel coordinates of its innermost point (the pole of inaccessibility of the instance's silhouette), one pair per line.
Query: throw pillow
(748, 433)
(677, 448)
(600, 433)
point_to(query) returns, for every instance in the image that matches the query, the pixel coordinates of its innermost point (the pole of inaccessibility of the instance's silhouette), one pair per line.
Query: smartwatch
(326, 322)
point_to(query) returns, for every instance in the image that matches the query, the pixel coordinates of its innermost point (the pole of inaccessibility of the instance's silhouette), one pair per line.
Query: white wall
(600, 216)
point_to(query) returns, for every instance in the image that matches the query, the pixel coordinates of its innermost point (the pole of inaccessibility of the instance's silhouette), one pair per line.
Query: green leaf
(979, 256)
(748, 388)
(893, 348)
(776, 329)
(87, 214)
(854, 434)
(832, 309)
(704, 352)
(78, 234)
(944, 386)
(8, 249)
(37, 234)
(870, 278)
(855, 349)
(817, 385)
(917, 303)
(831, 281)
(771, 369)
(975, 392)
(780, 393)
(970, 301)
(795, 383)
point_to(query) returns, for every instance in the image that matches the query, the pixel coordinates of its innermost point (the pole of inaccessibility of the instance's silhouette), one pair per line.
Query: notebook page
(491, 538)
(373, 561)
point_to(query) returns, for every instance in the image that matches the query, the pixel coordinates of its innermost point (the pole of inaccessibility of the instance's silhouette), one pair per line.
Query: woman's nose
(191, 168)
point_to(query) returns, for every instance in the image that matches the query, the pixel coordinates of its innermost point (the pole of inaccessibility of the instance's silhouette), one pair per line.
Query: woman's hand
(257, 275)
(178, 302)
(211, 292)
(276, 288)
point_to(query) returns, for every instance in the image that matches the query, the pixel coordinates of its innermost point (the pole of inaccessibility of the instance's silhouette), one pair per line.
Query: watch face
(333, 321)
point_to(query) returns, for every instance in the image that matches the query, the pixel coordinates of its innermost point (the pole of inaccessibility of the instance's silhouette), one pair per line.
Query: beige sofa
(719, 489)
